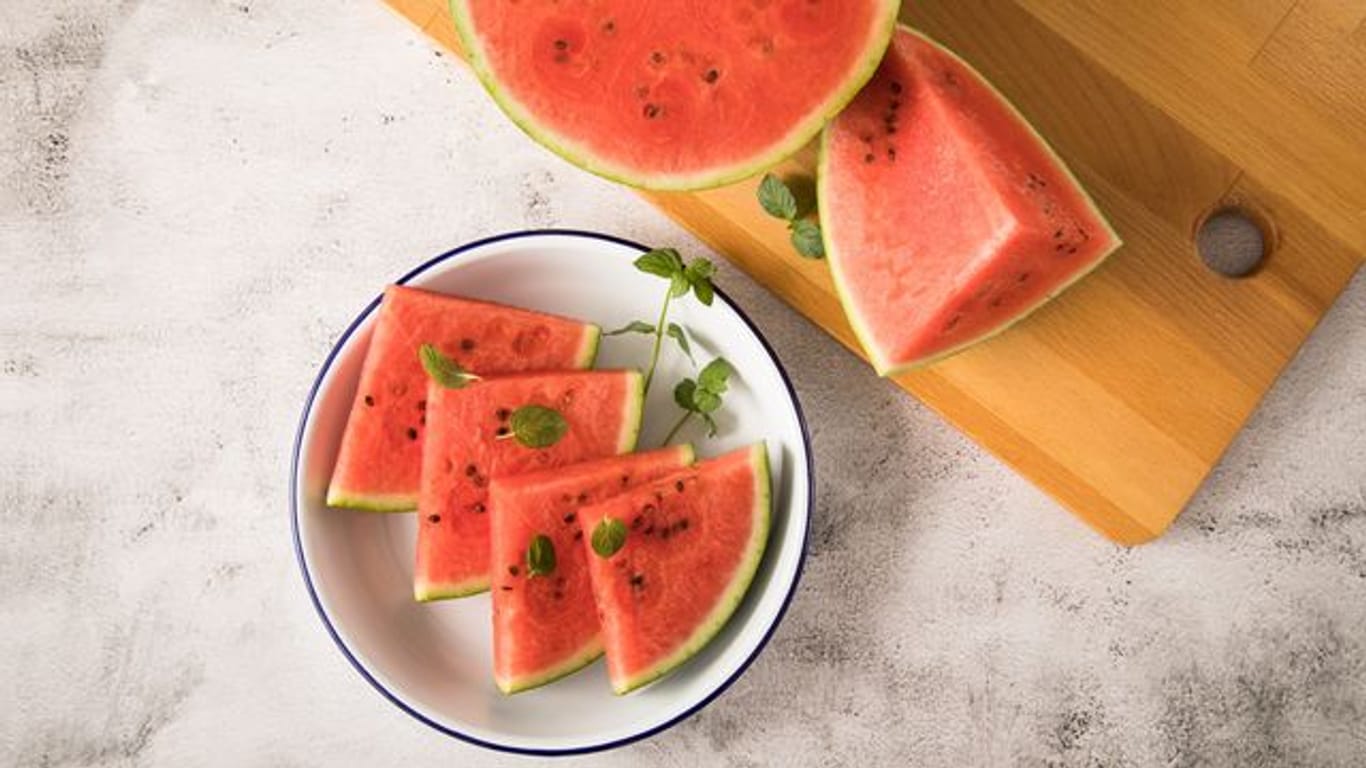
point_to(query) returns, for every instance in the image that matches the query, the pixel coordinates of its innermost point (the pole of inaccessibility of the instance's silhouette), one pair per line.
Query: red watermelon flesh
(674, 94)
(467, 445)
(381, 450)
(694, 541)
(946, 217)
(546, 627)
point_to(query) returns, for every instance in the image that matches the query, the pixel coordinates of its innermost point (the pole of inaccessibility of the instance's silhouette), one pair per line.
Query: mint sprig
(778, 200)
(684, 277)
(702, 396)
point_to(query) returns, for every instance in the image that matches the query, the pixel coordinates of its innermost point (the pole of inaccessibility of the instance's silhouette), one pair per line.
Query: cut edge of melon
(390, 502)
(734, 593)
(797, 137)
(880, 364)
(635, 412)
(427, 593)
(589, 653)
(588, 351)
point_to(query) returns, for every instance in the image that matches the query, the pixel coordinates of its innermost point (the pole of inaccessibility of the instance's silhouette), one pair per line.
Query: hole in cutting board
(1232, 241)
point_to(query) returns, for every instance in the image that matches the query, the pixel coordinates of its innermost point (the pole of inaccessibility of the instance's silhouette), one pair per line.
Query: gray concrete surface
(195, 197)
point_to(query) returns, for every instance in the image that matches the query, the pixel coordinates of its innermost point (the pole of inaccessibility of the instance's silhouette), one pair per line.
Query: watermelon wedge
(381, 450)
(693, 543)
(946, 218)
(546, 626)
(468, 444)
(673, 94)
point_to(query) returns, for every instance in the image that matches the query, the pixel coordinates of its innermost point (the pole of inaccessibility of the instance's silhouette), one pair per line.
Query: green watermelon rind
(591, 651)
(861, 331)
(735, 592)
(395, 502)
(626, 442)
(592, 341)
(797, 137)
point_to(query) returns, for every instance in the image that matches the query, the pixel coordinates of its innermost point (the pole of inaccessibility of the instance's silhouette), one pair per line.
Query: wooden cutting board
(1119, 397)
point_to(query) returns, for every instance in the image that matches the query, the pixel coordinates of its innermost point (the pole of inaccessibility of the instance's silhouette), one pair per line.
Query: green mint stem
(677, 426)
(659, 339)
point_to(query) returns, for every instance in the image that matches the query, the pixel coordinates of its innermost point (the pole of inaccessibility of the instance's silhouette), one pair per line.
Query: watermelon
(546, 627)
(381, 450)
(693, 543)
(946, 218)
(468, 444)
(673, 94)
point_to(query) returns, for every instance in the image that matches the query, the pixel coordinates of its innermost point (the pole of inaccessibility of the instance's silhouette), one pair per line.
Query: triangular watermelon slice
(546, 626)
(946, 218)
(381, 450)
(469, 443)
(693, 543)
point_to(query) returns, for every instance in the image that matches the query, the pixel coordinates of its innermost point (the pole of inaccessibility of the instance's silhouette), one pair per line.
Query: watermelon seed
(433, 519)
(1022, 278)
(559, 581)
(651, 111)
(1059, 247)
(866, 137)
(559, 595)
(895, 87)
(578, 535)
(502, 432)
(369, 400)
(891, 129)
(659, 496)
(868, 158)
(683, 523)
(477, 508)
(609, 26)
(412, 433)
(711, 76)
(1057, 235)
(657, 57)
(502, 414)
(569, 518)
(638, 580)
(422, 405)
(467, 344)
(561, 45)
(625, 480)
(506, 588)
(512, 569)
(953, 322)
(471, 470)
(583, 498)
(648, 509)
(891, 154)
(678, 486)
(1071, 250)
(895, 105)
(636, 522)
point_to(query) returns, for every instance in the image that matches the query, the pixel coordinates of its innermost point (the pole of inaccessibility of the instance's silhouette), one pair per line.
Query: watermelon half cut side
(946, 217)
(673, 94)
(381, 450)
(693, 544)
(468, 444)
(546, 626)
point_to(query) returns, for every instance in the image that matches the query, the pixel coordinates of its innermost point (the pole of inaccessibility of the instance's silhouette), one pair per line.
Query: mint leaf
(677, 333)
(806, 238)
(776, 199)
(442, 369)
(540, 556)
(683, 394)
(699, 273)
(536, 426)
(663, 262)
(715, 377)
(609, 536)
(635, 326)
(705, 402)
(679, 285)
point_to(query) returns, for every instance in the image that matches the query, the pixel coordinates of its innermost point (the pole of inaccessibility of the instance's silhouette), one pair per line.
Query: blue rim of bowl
(393, 697)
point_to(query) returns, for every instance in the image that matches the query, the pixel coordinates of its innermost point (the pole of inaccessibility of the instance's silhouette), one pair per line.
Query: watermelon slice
(546, 627)
(468, 443)
(673, 94)
(946, 217)
(693, 542)
(381, 452)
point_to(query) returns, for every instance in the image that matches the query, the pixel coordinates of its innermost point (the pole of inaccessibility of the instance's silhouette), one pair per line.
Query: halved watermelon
(381, 452)
(546, 626)
(693, 542)
(673, 94)
(946, 218)
(468, 443)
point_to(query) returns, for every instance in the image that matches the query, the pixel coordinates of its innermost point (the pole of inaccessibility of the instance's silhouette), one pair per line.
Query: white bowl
(434, 661)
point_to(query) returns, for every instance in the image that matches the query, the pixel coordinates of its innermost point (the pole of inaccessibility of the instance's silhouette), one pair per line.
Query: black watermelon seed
(711, 76)
(412, 433)
(1071, 250)
(561, 45)
(895, 87)
(578, 534)
(657, 57)
(636, 522)
(503, 414)
(422, 405)
(569, 518)
(512, 569)
(1057, 235)
(506, 588)
(637, 580)
(868, 158)
(433, 519)
(501, 432)
(891, 153)
(471, 470)
(625, 479)
(467, 344)
(583, 498)
(683, 523)
(651, 111)
(609, 26)
(477, 508)
(369, 400)
(678, 486)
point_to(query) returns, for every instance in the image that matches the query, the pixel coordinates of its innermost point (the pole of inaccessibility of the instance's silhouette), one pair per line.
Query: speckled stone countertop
(195, 198)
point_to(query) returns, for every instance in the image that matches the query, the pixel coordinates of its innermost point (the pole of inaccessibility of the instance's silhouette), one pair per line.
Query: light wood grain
(1119, 397)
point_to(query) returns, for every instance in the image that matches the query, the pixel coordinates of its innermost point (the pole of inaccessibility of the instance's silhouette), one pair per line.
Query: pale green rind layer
(794, 140)
(588, 355)
(879, 363)
(371, 502)
(582, 658)
(635, 414)
(430, 592)
(730, 599)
